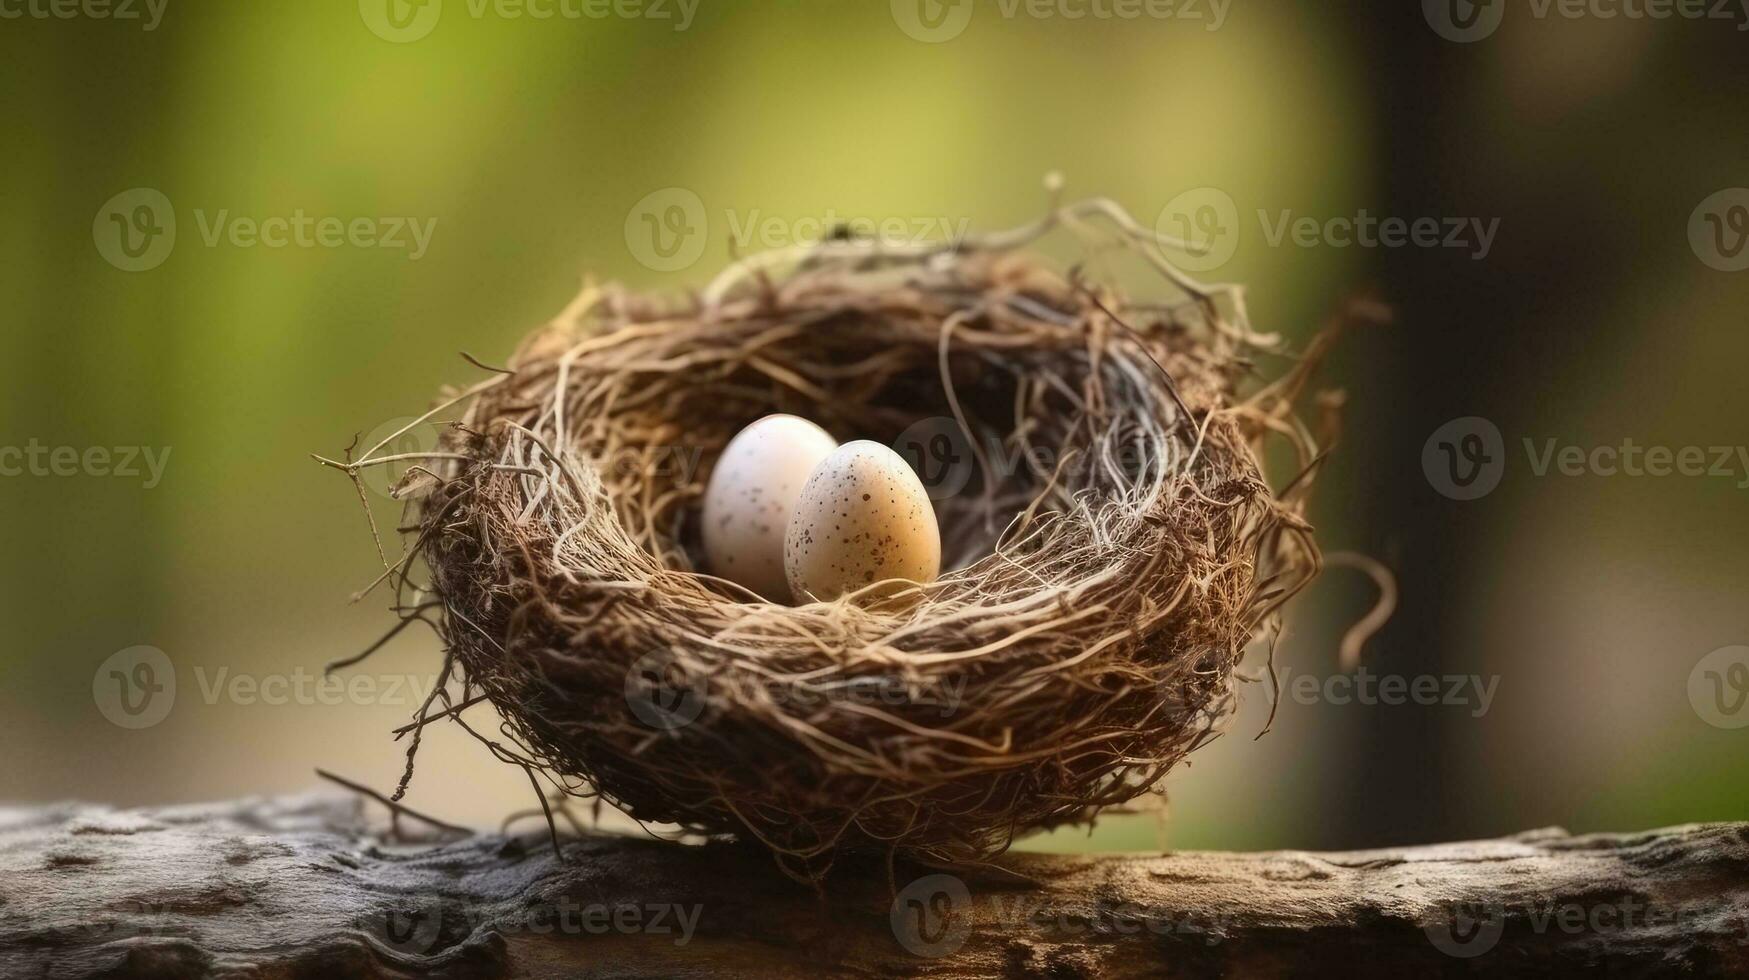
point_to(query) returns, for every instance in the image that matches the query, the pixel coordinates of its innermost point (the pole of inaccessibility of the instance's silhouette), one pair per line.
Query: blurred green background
(527, 147)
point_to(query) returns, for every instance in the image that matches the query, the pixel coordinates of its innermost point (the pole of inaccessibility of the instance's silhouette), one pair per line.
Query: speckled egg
(747, 503)
(863, 517)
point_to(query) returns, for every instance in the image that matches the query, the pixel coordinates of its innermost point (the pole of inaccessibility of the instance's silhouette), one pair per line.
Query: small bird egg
(748, 500)
(863, 517)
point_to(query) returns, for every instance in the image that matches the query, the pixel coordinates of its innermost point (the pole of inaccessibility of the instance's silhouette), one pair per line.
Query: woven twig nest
(1110, 541)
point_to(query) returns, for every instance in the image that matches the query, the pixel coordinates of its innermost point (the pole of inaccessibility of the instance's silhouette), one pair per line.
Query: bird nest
(1111, 546)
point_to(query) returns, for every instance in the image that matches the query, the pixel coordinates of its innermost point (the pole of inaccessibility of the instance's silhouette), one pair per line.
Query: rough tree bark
(300, 888)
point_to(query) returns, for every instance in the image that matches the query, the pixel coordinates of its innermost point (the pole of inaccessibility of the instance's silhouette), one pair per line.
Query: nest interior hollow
(1110, 543)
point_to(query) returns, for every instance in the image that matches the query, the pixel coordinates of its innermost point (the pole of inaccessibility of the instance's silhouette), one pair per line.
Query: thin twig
(398, 808)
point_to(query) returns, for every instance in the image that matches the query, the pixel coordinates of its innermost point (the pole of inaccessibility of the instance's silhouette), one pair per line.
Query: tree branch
(300, 887)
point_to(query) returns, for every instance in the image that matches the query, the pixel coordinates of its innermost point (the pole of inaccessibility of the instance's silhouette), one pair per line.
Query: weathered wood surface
(300, 888)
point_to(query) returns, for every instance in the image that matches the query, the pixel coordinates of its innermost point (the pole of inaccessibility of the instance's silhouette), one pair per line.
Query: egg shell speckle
(862, 517)
(751, 493)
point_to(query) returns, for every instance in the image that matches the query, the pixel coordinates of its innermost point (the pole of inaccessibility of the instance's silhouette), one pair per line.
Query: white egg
(748, 500)
(863, 517)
